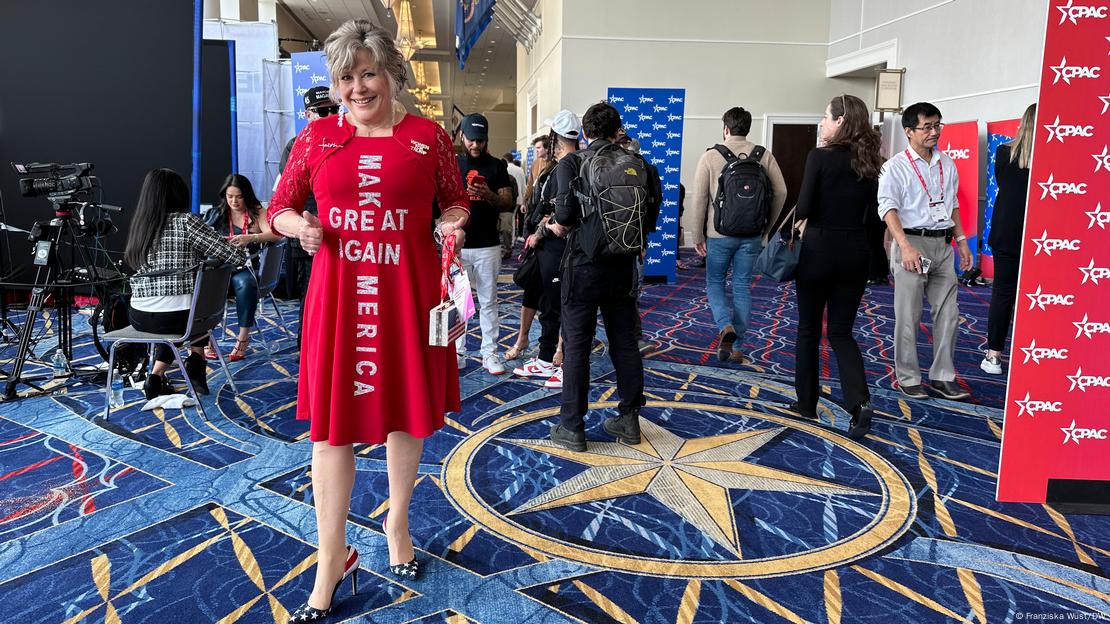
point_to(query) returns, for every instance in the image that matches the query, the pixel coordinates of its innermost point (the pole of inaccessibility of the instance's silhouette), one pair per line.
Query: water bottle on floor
(116, 399)
(59, 364)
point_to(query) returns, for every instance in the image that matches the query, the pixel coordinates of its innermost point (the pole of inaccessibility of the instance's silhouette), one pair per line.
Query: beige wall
(502, 134)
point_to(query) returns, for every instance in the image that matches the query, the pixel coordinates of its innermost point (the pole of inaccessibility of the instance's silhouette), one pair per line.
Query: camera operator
(166, 236)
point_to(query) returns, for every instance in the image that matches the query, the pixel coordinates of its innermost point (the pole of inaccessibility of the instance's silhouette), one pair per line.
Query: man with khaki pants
(917, 199)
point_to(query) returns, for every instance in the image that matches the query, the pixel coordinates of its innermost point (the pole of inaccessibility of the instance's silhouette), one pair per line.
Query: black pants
(550, 257)
(1003, 294)
(832, 274)
(162, 323)
(608, 285)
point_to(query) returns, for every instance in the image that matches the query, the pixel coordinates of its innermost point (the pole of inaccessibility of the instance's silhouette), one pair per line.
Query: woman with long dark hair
(836, 205)
(1011, 169)
(240, 215)
(166, 236)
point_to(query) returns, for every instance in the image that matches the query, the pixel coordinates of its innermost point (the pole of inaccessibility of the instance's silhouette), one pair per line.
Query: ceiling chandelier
(407, 41)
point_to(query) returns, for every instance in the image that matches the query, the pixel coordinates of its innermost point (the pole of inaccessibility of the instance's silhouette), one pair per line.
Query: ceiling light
(407, 41)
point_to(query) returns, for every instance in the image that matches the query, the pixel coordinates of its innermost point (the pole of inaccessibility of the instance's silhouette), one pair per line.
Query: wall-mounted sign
(888, 90)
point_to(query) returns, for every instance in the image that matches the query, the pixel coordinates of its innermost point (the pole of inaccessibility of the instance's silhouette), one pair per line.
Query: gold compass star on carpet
(691, 477)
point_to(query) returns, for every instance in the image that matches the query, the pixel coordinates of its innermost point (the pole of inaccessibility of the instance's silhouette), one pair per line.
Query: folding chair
(205, 314)
(269, 272)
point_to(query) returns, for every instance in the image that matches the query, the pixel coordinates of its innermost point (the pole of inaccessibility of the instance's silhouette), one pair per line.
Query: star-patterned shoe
(404, 571)
(307, 613)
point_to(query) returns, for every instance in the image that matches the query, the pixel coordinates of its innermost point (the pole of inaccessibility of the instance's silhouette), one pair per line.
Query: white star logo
(1081, 326)
(1064, 13)
(1029, 353)
(301, 91)
(300, 115)
(1022, 403)
(1074, 379)
(1089, 273)
(1094, 215)
(1059, 70)
(1034, 297)
(1105, 99)
(1102, 161)
(1052, 130)
(1069, 433)
(1040, 243)
(1046, 187)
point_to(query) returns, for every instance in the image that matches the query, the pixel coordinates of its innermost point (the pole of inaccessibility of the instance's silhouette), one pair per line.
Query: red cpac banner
(961, 142)
(998, 132)
(1057, 425)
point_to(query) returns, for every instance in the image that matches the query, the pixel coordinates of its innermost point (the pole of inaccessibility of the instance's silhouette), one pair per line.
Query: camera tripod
(51, 277)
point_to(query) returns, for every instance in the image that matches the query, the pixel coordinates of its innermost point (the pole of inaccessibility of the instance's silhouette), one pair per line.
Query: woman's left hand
(453, 227)
(241, 240)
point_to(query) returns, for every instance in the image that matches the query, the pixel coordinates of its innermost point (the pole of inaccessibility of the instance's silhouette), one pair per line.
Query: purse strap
(449, 258)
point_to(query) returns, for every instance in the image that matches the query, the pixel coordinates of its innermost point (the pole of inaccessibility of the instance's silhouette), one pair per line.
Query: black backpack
(613, 188)
(743, 202)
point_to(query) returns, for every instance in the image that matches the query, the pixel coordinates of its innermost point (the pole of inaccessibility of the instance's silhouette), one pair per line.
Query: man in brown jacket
(724, 252)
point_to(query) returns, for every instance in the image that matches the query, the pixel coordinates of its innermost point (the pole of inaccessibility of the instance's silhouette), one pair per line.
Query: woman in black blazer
(1011, 169)
(837, 204)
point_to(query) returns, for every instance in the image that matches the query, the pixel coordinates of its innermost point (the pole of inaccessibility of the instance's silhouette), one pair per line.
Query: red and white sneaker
(556, 380)
(535, 367)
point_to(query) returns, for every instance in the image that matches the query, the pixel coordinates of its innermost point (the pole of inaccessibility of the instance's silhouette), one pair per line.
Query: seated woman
(166, 236)
(238, 214)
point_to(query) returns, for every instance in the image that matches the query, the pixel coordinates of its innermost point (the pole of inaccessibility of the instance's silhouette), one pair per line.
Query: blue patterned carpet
(731, 510)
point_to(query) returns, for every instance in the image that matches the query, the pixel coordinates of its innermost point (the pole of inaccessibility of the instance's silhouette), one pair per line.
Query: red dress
(366, 366)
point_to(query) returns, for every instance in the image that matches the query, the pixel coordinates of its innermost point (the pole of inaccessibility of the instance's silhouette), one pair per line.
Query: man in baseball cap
(475, 127)
(566, 124)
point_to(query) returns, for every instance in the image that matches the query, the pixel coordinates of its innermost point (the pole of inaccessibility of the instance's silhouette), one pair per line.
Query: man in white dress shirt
(917, 199)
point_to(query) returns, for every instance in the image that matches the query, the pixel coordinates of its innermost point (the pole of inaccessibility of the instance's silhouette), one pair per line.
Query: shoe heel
(354, 582)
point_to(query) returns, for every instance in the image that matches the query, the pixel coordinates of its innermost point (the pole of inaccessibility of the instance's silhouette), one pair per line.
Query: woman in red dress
(367, 374)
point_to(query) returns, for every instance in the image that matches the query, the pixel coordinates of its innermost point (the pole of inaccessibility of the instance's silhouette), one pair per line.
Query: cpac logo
(630, 126)
(674, 117)
(300, 67)
(616, 98)
(654, 261)
(1028, 406)
(658, 108)
(1075, 434)
(1067, 72)
(669, 220)
(958, 154)
(658, 126)
(1035, 353)
(1098, 217)
(1073, 13)
(1048, 245)
(1053, 188)
(1081, 381)
(655, 161)
(654, 245)
(670, 187)
(669, 203)
(674, 99)
(1090, 328)
(670, 169)
(658, 143)
(644, 117)
(1094, 273)
(318, 78)
(631, 109)
(672, 152)
(1102, 161)
(1040, 300)
(645, 99)
(1105, 99)
(1059, 131)
(301, 91)
(668, 252)
(668, 236)
(673, 135)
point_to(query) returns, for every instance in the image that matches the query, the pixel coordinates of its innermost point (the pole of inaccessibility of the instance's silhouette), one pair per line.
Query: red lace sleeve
(295, 183)
(449, 187)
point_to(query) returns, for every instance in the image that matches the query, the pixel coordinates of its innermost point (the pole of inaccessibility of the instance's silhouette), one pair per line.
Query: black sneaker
(949, 390)
(572, 440)
(624, 427)
(914, 392)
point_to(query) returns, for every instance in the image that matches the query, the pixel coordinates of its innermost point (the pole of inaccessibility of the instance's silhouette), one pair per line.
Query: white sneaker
(494, 365)
(535, 367)
(991, 365)
(556, 380)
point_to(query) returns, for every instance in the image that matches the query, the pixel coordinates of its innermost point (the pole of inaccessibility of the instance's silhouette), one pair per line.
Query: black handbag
(527, 275)
(779, 259)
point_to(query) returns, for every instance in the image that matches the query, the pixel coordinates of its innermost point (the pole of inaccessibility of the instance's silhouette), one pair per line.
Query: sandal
(210, 353)
(240, 350)
(516, 351)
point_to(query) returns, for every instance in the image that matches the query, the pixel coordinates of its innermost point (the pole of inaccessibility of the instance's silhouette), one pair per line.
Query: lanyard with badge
(936, 206)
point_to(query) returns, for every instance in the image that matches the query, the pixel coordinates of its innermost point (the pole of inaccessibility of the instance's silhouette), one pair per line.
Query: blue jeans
(246, 296)
(739, 254)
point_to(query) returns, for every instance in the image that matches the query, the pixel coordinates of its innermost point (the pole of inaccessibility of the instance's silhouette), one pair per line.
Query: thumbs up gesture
(311, 233)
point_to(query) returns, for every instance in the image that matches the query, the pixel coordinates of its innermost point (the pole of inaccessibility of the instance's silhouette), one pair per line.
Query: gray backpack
(612, 188)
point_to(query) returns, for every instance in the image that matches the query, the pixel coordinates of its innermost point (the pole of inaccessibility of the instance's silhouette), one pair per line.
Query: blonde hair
(343, 45)
(1021, 148)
